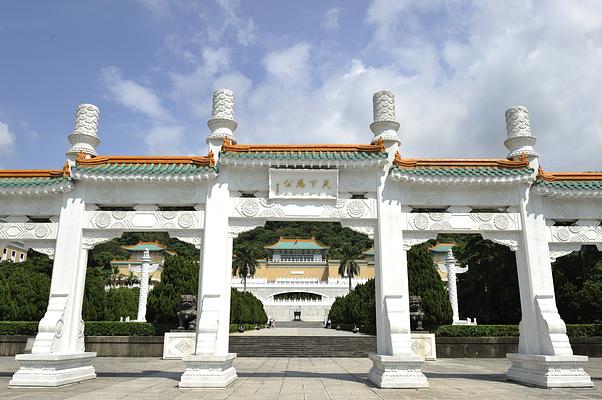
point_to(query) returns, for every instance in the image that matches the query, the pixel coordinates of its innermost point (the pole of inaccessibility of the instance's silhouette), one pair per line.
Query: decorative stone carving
(145, 220)
(238, 226)
(222, 123)
(412, 238)
(84, 138)
(385, 126)
(28, 231)
(520, 141)
(462, 222)
(95, 237)
(365, 227)
(582, 234)
(508, 239)
(558, 250)
(188, 313)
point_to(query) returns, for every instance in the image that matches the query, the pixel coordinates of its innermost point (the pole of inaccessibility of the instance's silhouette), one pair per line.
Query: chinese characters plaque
(303, 183)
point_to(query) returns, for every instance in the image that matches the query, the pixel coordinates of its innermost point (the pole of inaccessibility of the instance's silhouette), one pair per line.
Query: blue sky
(303, 72)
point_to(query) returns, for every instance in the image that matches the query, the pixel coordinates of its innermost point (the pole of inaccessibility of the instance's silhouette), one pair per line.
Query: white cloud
(289, 66)
(132, 95)
(165, 139)
(330, 21)
(230, 21)
(7, 139)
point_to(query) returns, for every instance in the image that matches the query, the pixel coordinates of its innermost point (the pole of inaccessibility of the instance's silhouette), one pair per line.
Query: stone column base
(52, 370)
(204, 371)
(548, 371)
(397, 372)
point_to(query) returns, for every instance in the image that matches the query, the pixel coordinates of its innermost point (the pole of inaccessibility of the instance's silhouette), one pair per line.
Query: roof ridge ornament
(520, 140)
(385, 125)
(222, 122)
(84, 138)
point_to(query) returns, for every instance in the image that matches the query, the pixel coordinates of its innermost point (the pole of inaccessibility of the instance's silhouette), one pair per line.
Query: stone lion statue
(187, 313)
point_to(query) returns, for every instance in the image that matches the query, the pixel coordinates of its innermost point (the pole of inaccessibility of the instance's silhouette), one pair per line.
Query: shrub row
(367, 329)
(576, 330)
(247, 327)
(92, 328)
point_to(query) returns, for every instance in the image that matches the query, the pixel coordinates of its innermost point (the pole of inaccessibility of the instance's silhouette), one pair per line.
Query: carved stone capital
(239, 225)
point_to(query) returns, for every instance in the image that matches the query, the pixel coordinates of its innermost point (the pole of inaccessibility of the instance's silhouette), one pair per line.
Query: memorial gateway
(370, 188)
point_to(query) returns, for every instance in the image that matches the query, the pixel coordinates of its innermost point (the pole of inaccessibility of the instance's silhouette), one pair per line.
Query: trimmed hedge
(366, 329)
(248, 327)
(576, 330)
(92, 328)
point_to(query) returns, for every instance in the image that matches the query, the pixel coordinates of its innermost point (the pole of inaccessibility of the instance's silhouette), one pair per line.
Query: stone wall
(300, 346)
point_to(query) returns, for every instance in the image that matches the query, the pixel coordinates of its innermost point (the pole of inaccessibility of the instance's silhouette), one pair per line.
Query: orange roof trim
(229, 146)
(99, 160)
(33, 173)
(460, 162)
(569, 176)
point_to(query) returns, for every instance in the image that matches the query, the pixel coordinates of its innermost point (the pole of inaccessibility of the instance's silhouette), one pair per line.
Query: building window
(21, 256)
(13, 255)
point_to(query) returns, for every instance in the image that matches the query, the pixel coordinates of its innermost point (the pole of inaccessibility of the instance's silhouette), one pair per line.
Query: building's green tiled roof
(143, 246)
(31, 181)
(308, 155)
(570, 185)
(332, 152)
(296, 244)
(464, 171)
(442, 247)
(146, 169)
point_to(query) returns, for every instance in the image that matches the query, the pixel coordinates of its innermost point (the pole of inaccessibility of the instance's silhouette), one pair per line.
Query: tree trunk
(244, 280)
(349, 275)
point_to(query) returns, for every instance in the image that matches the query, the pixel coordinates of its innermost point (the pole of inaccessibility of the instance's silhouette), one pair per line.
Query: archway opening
(301, 267)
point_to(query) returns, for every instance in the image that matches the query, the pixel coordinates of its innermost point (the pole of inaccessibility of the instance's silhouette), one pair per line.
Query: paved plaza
(297, 378)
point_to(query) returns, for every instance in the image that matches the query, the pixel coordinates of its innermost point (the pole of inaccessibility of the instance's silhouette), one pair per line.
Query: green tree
(94, 307)
(489, 289)
(348, 264)
(424, 281)
(180, 276)
(122, 302)
(23, 292)
(578, 285)
(244, 263)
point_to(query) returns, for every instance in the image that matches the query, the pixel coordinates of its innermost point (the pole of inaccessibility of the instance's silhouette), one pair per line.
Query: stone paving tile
(306, 379)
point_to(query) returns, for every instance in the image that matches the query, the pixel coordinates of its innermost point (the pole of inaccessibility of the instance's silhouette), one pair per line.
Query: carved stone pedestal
(397, 372)
(549, 371)
(51, 370)
(204, 371)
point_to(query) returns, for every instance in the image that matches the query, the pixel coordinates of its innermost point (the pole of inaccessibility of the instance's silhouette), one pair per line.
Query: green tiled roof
(442, 248)
(296, 244)
(143, 246)
(147, 169)
(462, 172)
(307, 155)
(570, 185)
(33, 181)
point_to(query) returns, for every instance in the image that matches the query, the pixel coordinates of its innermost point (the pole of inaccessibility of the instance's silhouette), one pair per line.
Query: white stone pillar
(58, 355)
(84, 138)
(143, 295)
(393, 365)
(452, 292)
(211, 364)
(545, 357)
(222, 122)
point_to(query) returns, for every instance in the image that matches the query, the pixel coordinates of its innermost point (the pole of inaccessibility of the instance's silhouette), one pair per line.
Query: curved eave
(322, 163)
(544, 190)
(82, 175)
(46, 189)
(400, 176)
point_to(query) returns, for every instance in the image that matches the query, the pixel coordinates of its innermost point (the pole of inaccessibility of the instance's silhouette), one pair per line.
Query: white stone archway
(371, 189)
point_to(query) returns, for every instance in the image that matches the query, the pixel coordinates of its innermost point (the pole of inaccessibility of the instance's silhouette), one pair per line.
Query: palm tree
(244, 263)
(347, 265)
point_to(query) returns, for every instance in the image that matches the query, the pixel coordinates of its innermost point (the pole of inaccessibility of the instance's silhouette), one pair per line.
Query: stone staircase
(302, 346)
(299, 324)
